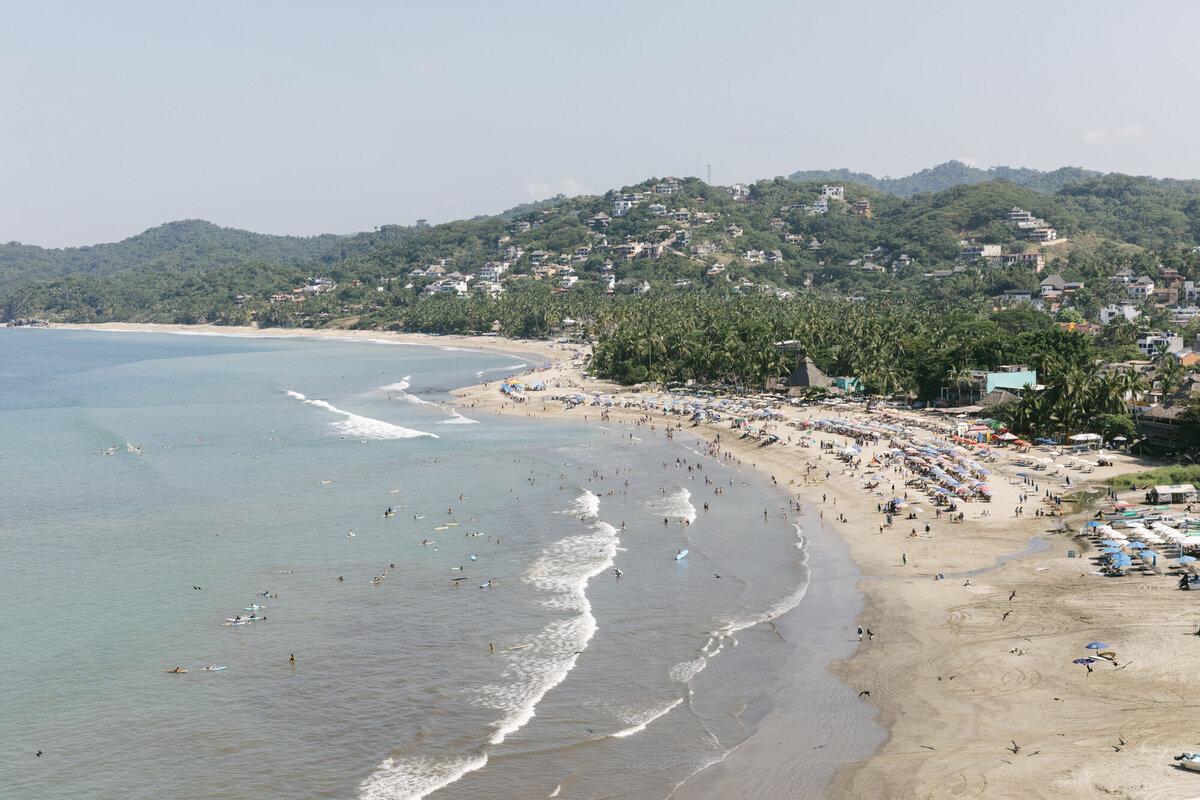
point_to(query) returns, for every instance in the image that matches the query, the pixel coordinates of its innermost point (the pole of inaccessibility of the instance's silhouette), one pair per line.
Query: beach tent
(1175, 493)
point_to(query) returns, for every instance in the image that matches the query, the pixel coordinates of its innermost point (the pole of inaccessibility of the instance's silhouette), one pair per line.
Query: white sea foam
(677, 504)
(414, 778)
(645, 718)
(587, 504)
(400, 388)
(511, 368)
(458, 419)
(560, 573)
(362, 427)
(684, 671)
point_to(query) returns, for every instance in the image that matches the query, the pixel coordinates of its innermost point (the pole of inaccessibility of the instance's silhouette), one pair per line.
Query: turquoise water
(138, 466)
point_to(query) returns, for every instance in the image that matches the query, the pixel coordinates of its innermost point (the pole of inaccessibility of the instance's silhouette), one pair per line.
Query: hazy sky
(305, 118)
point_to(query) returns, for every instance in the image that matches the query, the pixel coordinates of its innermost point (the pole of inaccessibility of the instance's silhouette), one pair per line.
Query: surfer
(617, 572)
(292, 660)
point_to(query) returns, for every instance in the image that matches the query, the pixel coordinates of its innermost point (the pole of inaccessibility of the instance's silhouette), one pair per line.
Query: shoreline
(545, 350)
(959, 675)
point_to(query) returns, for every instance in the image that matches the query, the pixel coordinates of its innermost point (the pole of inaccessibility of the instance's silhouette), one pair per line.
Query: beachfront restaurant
(1175, 493)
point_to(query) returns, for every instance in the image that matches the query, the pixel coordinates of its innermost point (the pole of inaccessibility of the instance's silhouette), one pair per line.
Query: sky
(304, 118)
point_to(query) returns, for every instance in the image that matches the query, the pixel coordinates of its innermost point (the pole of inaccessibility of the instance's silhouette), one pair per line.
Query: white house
(833, 192)
(1154, 343)
(1140, 288)
(1127, 311)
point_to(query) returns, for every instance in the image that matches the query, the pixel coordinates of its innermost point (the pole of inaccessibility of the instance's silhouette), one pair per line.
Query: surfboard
(463, 578)
(440, 528)
(213, 669)
(485, 585)
(518, 646)
(681, 555)
(174, 671)
(473, 558)
(388, 513)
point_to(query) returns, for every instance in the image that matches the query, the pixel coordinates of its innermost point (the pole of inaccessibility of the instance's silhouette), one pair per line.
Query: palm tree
(959, 376)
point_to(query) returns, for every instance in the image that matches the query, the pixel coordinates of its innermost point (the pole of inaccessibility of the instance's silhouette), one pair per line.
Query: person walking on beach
(860, 632)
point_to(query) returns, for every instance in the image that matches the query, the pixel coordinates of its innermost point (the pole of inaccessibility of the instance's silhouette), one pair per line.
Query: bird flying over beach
(1016, 748)
(1014, 594)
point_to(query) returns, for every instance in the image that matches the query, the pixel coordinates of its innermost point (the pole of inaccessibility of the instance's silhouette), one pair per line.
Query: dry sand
(959, 673)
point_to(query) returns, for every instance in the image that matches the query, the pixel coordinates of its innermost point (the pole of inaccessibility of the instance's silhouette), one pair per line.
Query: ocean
(476, 642)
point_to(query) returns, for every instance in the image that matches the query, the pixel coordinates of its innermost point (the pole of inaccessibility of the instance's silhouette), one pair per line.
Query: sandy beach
(973, 675)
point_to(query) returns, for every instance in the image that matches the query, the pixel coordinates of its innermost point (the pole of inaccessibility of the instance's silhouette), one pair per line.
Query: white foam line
(414, 778)
(641, 726)
(363, 427)
(568, 592)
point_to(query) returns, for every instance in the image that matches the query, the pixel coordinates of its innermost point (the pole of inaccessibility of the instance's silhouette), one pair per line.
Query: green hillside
(186, 246)
(950, 174)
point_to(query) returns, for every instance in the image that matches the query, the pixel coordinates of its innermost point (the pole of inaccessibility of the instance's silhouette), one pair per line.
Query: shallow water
(243, 465)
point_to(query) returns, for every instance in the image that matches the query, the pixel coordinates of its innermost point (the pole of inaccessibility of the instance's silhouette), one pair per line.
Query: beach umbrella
(1108, 551)
(1138, 545)
(1186, 559)
(1093, 524)
(1084, 661)
(1096, 646)
(1111, 543)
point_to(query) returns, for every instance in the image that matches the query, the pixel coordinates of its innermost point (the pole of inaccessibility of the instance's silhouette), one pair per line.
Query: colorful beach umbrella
(1085, 661)
(1096, 646)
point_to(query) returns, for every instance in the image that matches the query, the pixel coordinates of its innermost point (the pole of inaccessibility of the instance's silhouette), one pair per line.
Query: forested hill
(949, 175)
(187, 246)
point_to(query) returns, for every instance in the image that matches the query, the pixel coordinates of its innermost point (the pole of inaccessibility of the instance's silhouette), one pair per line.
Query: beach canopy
(1085, 437)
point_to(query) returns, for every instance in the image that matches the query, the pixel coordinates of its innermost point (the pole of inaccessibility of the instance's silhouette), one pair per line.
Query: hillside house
(861, 208)
(1126, 310)
(738, 192)
(1154, 343)
(833, 193)
(1122, 276)
(733, 230)
(755, 256)
(657, 209)
(1034, 261)
(670, 186)
(819, 206)
(599, 222)
(1140, 288)
(774, 257)
(1043, 234)
(970, 252)
(1018, 215)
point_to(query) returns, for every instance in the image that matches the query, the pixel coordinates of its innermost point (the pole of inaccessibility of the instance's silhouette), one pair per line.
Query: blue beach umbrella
(1096, 646)
(1138, 545)
(1085, 661)
(1111, 543)
(1186, 559)
(1109, 551)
